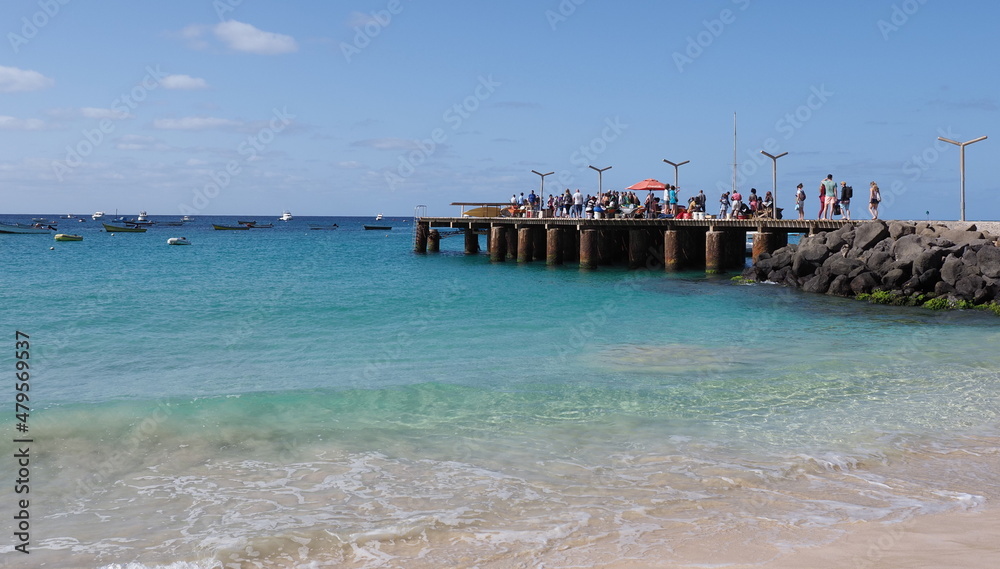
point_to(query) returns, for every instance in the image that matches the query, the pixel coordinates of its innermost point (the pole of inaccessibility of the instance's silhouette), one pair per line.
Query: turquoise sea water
(293, 398)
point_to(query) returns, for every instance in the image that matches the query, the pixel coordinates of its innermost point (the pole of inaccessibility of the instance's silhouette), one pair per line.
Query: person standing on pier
(800, 202)
(846, 193)
(724, 205)
(672, 199)
(577, 203)
(829, 197)
(649, 204)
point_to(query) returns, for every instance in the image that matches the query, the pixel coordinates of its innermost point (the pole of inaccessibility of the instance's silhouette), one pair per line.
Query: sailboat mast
(735, 166)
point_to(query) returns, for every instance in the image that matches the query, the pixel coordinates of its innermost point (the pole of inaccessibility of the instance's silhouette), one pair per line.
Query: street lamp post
(774, 181)
(961, 165)
(542, 189)
(600, 178)
(676, 166)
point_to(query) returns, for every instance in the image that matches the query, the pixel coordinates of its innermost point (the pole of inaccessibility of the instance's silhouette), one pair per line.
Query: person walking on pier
(800, 202)
(874, 198)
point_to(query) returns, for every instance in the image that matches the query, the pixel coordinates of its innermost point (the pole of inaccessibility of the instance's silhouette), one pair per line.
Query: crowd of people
(606, 205)
(833, 200)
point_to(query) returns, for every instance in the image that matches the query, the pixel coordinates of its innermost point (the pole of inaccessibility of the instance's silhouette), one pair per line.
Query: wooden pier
(715, 245)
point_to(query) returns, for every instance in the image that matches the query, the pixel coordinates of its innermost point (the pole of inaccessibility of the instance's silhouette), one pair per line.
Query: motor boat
(286, 216)
(68, 237)
(178, 241)
(97, 215)
(378, 217)
(23, 228)
(186, 218)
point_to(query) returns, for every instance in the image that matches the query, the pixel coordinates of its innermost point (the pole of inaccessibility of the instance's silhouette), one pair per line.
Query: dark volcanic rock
(959, 263)
(841, 265)
(819, 283)
(840, 286)
(864, 283)
(988, 259)
(897, 229)
(868, 234)
(928, 259)
(895, 278)
(909, 246)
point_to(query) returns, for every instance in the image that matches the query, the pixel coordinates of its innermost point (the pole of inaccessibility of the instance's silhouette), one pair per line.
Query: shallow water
(285, 397)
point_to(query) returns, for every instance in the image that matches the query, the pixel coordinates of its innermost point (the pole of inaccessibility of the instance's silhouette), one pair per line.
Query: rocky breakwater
(906, 263)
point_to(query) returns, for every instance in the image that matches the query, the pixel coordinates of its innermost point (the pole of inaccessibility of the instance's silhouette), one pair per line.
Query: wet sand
(970, 540)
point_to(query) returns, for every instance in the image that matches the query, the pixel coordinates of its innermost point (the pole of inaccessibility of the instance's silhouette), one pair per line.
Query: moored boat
(285, 216)
(68, 237)
(377, 227)
(178, 241)
(230, 227)
(97, 215)
(117, 229)
(318, 226)
(22, 228)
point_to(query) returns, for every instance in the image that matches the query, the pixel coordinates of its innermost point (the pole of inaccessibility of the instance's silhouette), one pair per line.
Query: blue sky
(355, 108)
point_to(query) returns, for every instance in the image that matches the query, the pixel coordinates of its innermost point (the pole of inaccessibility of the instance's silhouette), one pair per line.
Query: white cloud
(183, 82)
(245, 37)
(388, 143)
(13, 80)
(96, 113)
(13, 123)
(350, 164)
(195, 123)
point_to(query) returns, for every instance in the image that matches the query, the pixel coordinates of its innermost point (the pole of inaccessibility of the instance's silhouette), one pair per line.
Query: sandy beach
(960, 539)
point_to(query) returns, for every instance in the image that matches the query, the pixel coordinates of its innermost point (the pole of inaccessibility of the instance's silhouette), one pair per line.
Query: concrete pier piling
(498, 243)
(433, 241)
(525, 243)
(471, 241)
(553, 246)
(588, 249)
(420, 239)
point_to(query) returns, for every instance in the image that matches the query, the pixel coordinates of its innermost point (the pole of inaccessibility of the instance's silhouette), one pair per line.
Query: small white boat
(178, 241)
(286, 216)
(97, 215)
(378, 217)
(186, 218)
(68, 237)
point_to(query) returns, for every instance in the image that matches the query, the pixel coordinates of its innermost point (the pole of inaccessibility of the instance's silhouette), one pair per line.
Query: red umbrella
(648, 184)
